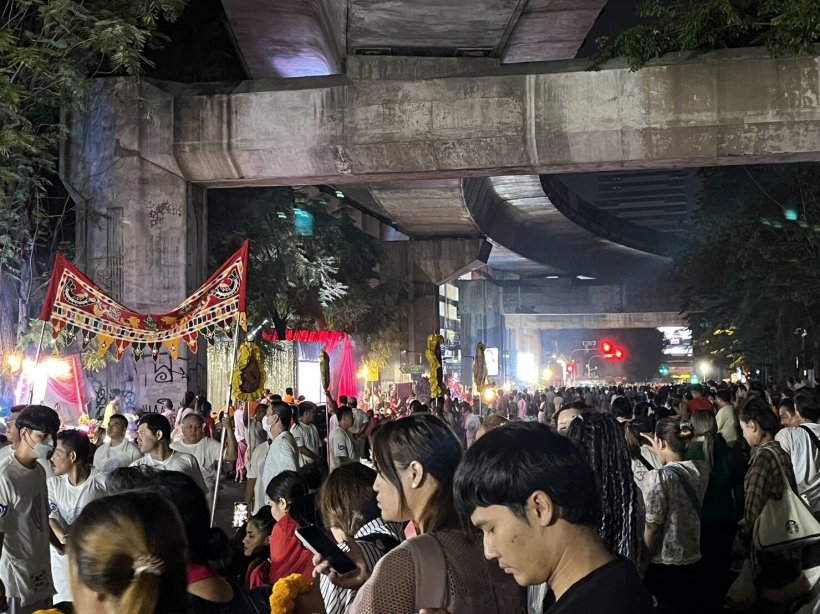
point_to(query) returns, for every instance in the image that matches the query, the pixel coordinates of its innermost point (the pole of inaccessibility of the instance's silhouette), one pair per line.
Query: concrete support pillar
(425, 265)
(141, 228)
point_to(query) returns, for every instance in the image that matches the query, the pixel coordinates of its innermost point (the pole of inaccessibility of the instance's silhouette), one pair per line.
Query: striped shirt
(336, 598)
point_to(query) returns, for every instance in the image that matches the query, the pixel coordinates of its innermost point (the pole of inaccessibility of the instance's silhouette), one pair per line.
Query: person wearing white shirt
(283, 454)
(153, 440)
(117, 451)
(25, 563)
(255, 496)
(357, 431)
(472, 423)
(802, 444)
(306, 434)
(342, 450)
(725, 417)
(205, 450)
(75, 484)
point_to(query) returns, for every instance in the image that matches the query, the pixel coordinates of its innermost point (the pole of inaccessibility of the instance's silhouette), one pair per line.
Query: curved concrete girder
(604, 224)
(427, 208)
(540, 233)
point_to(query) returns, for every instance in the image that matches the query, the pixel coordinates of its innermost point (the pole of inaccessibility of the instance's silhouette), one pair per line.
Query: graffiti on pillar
(159, 212)
(102, 394)
(165, 369)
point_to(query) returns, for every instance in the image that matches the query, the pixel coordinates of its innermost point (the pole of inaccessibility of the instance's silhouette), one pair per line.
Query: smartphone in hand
(315, 540)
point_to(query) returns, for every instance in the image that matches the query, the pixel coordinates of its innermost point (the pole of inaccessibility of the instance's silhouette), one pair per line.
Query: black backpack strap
(687, 487)
(645, 463)
(812, 436)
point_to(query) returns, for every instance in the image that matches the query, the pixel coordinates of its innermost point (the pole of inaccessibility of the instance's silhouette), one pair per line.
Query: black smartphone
(315, 540)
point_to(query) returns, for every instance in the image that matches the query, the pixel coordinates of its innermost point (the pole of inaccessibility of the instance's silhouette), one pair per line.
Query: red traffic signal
(606, 347)
(619, 354)
(570, 368)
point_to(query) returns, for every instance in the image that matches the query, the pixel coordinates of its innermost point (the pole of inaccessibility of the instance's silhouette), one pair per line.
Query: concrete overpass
(445, 148)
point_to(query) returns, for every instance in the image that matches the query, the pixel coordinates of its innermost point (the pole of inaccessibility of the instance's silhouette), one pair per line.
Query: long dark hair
(428, 440)
(602, 440)
(292, 487)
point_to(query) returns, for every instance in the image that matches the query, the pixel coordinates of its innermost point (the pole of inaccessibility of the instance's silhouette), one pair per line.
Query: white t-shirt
(178, 461)
(206, 452)
(108, 457)
(667, 504)
(342, 446)
(471, 425)
(7, 451)
(283, 455)
(306, 435)
(25, 565)
(726, 423)
(360, 420)
(805, 460)
(65, 502)
(258, 456)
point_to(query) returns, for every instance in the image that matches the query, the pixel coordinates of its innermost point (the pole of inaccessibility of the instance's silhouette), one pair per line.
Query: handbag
(785, 522)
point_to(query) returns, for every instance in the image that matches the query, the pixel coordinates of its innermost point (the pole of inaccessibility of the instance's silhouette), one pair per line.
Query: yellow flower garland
(49, 611)
(285, 591)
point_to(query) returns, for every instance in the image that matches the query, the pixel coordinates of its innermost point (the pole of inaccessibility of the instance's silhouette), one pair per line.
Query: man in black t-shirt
(533, 495)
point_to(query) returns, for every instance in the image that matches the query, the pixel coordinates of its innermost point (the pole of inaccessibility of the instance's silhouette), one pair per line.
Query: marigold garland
(49, 611)
(286, 590)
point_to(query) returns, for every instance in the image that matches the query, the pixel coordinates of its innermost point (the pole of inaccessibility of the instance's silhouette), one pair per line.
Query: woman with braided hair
(142, 571)
(601, 438)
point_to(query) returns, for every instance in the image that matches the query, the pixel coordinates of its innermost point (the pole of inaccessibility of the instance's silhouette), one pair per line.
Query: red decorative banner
(74, 303)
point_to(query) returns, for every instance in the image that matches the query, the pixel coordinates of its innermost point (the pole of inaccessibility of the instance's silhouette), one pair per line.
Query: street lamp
(705, 369)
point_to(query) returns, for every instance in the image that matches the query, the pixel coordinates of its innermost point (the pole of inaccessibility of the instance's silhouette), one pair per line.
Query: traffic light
(606, 347)
(663, 371)
(619, 354)
(571, 368)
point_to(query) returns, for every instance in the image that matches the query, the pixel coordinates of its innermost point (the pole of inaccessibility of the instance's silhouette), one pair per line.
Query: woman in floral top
(777, 575)
(673, 496)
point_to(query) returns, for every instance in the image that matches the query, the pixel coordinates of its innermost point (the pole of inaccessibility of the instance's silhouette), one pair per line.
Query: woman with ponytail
(673, 496)
(127, 556)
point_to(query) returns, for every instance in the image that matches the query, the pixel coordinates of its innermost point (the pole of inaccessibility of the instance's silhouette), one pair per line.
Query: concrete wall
(141, 227)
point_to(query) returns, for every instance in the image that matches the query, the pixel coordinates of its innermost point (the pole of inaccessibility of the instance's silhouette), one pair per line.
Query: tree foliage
(784, 26)
(48, 50)
(751, 279)
(327, 280)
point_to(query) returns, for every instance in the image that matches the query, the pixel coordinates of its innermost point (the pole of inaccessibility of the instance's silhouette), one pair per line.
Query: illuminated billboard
(677, 341)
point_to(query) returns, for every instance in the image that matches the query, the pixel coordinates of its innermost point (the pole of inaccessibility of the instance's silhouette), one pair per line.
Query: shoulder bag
(431, 572)
(785, 522)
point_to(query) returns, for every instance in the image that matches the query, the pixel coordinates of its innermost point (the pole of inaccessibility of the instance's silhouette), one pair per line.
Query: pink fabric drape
(69, 388)
(329, 338)
(348, 385)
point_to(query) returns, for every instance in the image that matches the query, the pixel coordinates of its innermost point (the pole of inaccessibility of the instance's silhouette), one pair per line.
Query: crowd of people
(572, 500)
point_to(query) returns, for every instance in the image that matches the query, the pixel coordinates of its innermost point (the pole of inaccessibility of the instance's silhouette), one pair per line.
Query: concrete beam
(565, 321)
(728, 107)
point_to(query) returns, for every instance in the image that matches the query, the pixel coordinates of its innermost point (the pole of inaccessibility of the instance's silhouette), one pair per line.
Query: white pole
(231, 367)
(37, 361)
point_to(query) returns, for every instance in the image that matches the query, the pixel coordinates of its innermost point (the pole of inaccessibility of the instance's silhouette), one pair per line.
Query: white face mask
(266, 424)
